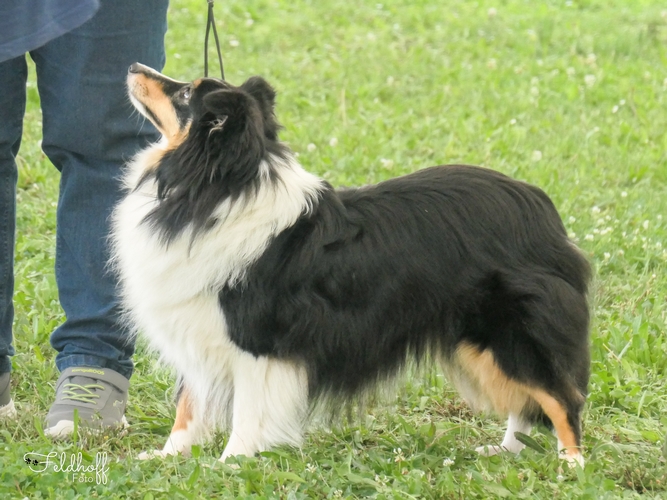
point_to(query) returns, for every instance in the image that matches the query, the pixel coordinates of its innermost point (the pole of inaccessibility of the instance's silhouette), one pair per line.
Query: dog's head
(208, 105)
(216, 135)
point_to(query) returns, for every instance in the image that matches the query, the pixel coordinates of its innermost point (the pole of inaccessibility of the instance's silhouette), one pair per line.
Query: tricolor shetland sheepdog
(269, 291)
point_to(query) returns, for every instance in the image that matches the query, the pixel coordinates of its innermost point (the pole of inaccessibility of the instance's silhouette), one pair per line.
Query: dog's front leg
(188, 429)
(270, 405)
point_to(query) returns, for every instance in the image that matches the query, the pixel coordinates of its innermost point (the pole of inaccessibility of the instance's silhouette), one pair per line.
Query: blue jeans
(88, 134)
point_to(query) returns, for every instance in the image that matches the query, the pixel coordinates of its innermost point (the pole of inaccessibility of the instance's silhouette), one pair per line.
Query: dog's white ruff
(170, 294)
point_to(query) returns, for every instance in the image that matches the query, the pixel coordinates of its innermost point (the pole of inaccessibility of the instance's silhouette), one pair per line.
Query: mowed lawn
(568, 95)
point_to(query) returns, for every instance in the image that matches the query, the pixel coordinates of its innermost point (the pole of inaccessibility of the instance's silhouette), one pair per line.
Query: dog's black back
(420, 264)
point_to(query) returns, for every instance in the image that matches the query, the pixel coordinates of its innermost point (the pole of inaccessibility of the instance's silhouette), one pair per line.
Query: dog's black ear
(260, 89)
(265, 96)
(222, 102)
(231, 107)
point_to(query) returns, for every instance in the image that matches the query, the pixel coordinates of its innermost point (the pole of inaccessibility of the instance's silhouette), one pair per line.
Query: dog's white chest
(169, 292)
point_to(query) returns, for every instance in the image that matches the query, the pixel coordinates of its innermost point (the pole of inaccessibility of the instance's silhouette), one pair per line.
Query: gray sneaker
(99, 394)
(7, 409)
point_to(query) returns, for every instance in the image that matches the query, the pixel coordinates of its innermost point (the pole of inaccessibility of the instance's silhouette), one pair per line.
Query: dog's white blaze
(170, 294)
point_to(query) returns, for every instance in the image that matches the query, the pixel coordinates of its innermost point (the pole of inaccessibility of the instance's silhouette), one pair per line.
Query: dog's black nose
(135, 68)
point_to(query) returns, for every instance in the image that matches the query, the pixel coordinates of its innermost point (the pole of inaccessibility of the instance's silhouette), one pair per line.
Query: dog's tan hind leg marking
(507, 396)
(185, 432)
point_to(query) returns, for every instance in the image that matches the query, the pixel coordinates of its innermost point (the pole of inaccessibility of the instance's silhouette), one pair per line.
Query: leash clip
(211, 22)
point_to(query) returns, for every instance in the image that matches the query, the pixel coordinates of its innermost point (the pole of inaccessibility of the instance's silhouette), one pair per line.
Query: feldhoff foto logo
(74, 468)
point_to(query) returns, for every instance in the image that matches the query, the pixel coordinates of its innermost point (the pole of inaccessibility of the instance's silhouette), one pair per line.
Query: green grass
(570, 96)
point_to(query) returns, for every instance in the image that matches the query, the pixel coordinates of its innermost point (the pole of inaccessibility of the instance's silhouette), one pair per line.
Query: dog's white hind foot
(510, 442)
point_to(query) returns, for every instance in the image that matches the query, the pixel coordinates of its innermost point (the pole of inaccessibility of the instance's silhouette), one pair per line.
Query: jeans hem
(94, 362)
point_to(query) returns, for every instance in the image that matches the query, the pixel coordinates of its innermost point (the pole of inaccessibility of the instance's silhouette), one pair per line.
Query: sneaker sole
(65, 428)
(8, 410)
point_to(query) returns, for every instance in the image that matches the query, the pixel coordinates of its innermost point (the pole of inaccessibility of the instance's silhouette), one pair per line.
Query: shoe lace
(83, 393)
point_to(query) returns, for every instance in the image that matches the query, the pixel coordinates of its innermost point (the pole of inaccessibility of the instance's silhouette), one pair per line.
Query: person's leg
(13, 74)
(89, 133)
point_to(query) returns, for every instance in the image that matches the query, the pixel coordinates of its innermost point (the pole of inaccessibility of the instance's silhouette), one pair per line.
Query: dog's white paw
(489, 450)
(226, 454)
(148, 455)
(573, 459)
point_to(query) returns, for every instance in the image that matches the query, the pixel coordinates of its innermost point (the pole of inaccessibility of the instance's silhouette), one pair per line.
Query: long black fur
(424, 262)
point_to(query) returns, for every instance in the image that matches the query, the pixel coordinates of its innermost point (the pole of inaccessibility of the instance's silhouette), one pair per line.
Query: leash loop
(211, 22)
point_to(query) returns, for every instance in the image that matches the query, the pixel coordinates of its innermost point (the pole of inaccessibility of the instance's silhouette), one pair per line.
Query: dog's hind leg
(492, 387)
(507, 395)
(188, 429)
(515, 423)
(530, 354)
(566, 421)
(559, 383)
(270, 405)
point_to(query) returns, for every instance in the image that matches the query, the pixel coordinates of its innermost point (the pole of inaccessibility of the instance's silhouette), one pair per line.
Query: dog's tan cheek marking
(160, 105)
(146, 90)
(184, 413)
(179, 137)
(506, 395)
(138, 87)
(167, 115)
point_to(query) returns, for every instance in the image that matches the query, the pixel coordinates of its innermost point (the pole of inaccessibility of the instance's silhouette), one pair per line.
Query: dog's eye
(185, 93)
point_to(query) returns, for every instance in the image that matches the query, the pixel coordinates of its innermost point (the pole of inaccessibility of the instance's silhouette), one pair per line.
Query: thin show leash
(211, 22)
